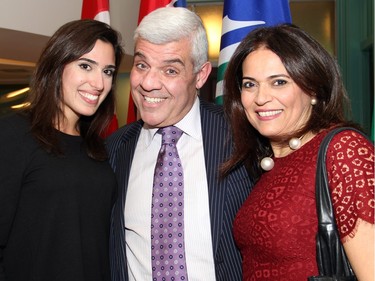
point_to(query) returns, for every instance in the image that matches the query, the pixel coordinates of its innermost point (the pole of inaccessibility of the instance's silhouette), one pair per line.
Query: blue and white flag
(239, 18)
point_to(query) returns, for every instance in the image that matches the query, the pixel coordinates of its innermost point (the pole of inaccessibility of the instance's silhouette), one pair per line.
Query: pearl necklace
(267, 163)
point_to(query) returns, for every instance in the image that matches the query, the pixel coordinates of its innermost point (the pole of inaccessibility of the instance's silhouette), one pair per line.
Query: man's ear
(203, 74)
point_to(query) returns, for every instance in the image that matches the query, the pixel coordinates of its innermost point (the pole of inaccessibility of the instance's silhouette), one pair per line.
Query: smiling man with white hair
(170, 66)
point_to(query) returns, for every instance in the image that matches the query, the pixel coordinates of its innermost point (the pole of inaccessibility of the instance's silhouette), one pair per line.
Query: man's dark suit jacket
(225, 196)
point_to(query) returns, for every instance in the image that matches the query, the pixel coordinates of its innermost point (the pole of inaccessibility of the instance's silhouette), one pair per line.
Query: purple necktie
(167, 216)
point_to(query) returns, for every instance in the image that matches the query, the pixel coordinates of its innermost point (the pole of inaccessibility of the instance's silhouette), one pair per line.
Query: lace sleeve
(350, 165)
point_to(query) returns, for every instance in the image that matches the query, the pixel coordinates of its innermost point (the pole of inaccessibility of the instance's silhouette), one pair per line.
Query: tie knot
(170, 134)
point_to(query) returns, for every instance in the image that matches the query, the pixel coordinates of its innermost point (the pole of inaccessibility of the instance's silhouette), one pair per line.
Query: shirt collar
(188, 125)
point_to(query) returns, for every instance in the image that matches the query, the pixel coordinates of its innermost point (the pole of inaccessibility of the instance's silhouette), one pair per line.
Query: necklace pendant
(295, 143)
(267, 163)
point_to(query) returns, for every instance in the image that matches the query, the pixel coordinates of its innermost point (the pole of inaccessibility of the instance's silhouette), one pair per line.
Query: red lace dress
(276, 226)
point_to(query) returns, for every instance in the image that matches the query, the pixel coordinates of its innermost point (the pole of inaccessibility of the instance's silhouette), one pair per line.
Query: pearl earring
(314, 101)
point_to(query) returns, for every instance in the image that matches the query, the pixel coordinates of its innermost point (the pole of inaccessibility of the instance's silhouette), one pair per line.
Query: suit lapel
(121, 156)
(214, 132)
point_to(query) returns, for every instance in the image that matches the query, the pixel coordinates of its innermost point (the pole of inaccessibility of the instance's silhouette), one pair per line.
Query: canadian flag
(145, 8)
(148, 6)
(99, 10)
(96, 9)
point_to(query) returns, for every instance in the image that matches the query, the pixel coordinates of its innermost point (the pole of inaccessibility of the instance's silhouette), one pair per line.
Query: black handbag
(332, 262)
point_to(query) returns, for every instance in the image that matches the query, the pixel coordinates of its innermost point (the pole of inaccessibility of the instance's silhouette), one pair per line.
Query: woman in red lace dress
(283, 93)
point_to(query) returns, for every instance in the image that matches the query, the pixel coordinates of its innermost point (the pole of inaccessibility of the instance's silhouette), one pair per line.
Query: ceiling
(19, 52)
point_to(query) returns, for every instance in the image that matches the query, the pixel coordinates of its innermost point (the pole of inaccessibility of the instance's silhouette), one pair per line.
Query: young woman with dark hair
(56, 187)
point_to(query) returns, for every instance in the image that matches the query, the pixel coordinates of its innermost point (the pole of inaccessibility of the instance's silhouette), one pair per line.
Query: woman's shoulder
(350, 138)
(349, 146)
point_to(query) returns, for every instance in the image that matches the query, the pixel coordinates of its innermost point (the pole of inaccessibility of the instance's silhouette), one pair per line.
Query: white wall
(124, 18)
(44, 17)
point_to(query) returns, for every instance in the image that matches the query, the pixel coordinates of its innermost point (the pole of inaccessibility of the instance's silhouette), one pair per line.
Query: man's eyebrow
(173, 61)
(169, 61)
(139, 54)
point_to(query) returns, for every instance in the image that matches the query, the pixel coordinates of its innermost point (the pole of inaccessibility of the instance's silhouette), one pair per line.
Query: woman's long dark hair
(68, 44)
(310, 66)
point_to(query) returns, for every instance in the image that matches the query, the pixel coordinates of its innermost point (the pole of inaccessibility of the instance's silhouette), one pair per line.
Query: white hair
(165, 25)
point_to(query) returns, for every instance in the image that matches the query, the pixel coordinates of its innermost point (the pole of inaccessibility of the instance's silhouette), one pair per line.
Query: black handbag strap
(331, 257)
